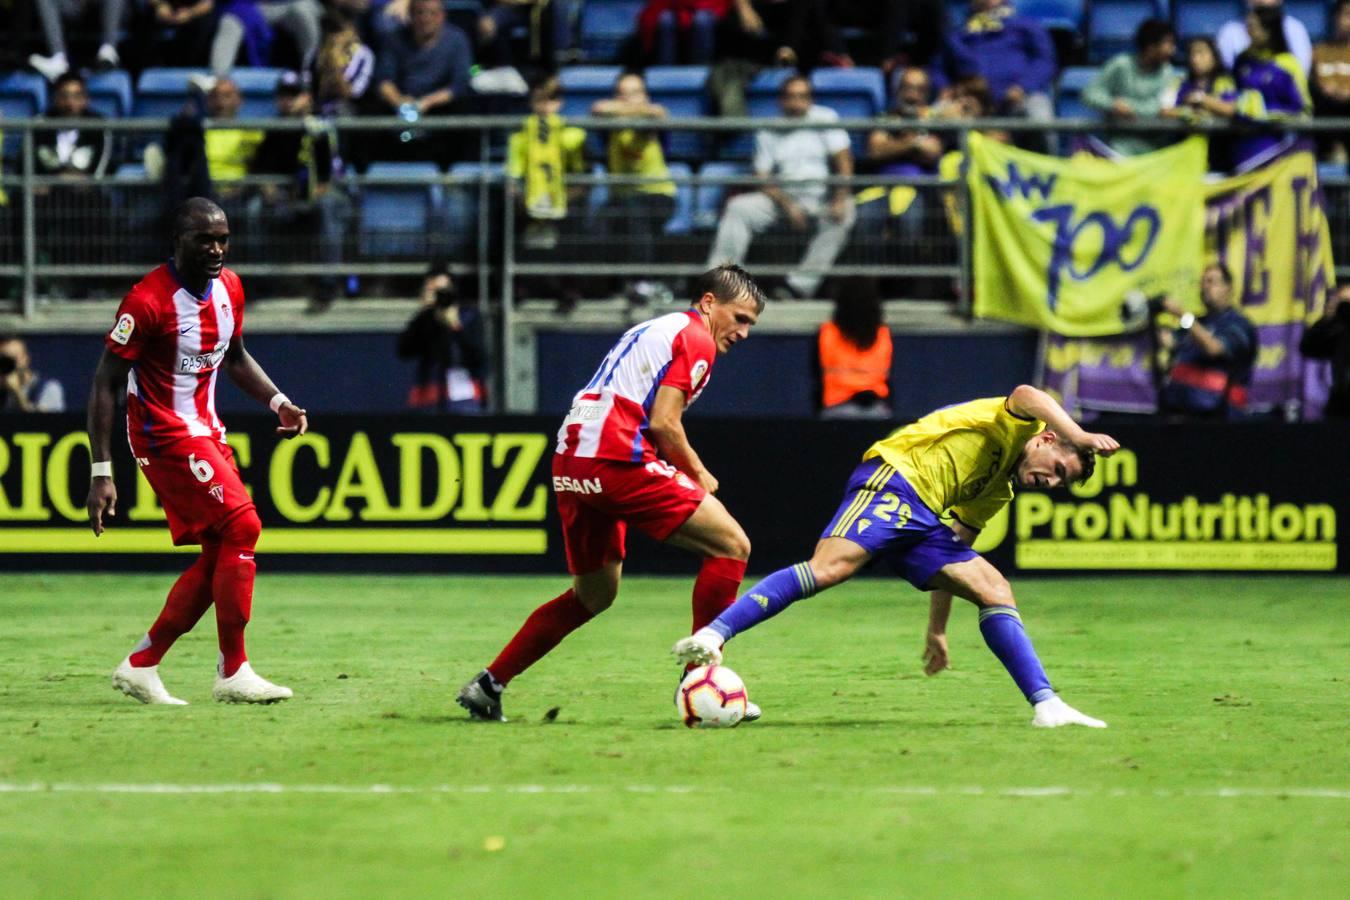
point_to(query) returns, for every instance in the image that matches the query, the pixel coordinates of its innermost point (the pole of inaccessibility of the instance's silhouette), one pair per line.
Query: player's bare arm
(935, 655)
(244, 371)
(1033, 403)
(110, 379)
(667, 433)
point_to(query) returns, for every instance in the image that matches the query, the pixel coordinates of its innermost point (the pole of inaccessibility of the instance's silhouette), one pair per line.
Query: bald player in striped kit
(175, 330)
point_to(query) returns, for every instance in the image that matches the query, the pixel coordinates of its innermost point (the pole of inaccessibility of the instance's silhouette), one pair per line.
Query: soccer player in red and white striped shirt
(623, 459)
(175, 330)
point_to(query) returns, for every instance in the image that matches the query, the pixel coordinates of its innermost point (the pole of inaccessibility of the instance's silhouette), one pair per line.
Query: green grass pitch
(1224, 772)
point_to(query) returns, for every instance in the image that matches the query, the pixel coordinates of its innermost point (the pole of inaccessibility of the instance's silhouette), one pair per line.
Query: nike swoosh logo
(243, 557)
(186, 330)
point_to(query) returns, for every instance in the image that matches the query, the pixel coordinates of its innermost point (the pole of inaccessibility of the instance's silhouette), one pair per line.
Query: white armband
(100, 470)
(277, 399)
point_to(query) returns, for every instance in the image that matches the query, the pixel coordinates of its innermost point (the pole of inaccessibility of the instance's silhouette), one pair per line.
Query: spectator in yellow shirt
(637, 211)
(228, 150)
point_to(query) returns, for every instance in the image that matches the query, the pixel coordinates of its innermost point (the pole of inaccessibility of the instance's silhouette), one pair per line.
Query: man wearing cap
(309, 211)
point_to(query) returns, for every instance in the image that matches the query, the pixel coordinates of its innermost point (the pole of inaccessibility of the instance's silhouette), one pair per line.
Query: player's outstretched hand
(707, 481)
(935, 657)
(102, 497)
(1102, 443)
(293, 420)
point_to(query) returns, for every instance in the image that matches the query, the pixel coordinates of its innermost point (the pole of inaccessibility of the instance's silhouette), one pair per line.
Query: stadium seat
(1201, 18)
(110, 93)
(259, 89)
(22, 95)
(1068, 97)
(583, 85)
(761, 98)
(397, 219)
(1112, 23)
(682, 221)
(161, 92)
(462, 207)
(708, 197)
(858, 93)
(682, 90)
(1314, 14)
(606, 25)
(1062, 14)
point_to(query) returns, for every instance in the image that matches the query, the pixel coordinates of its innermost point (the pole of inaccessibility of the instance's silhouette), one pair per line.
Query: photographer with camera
(21, 388)
(1329, 338)
(446, 339)
(1210, 358)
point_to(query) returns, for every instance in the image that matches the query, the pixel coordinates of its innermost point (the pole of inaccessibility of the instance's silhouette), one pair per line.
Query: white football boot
(752, 712)
(1055, 712)
(702, 648)
(247, 686)
(143, 684)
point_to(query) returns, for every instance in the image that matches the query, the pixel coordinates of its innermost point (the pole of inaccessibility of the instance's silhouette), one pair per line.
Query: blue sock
(766, 600)
(1003, 632)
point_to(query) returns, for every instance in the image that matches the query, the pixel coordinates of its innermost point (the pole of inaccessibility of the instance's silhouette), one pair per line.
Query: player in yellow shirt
(963, 460)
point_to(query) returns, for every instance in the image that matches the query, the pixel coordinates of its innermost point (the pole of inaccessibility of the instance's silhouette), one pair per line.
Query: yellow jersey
(633, 152)
(230, 150)
(961, 458)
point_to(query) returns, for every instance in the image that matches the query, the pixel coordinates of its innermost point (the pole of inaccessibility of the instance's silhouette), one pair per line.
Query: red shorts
(599, 498)
(198, 485)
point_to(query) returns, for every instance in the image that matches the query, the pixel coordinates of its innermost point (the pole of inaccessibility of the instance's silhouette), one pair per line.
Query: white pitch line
(37, 787)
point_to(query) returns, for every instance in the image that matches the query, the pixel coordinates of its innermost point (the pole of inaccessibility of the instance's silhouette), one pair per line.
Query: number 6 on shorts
(201, 469)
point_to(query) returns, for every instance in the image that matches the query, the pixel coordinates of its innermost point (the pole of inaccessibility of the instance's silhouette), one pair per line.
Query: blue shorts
(882, 514)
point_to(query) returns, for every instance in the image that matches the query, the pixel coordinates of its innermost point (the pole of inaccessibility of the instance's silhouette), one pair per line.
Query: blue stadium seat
(22, 95)
(682, 221)
(110, 93)
(462, 208)
(1112, 24)
(682, 90)
(605, 25)
(1314, 14)
(761, 99)
(858, 93)
(583, 85)
(1063, 14)
(161, 92)
(259, 89)
(1068, 97)
(1201, 18)
(708, 198)
(398, 219)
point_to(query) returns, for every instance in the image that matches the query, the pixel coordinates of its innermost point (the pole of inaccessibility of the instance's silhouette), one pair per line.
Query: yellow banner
(1269, 228)
(1058, 243)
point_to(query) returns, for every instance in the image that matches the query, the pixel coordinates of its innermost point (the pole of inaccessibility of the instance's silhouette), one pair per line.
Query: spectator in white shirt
(1233, 38)
(798, 161)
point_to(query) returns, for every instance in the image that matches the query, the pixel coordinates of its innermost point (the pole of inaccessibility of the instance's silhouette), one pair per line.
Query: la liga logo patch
(121, 332)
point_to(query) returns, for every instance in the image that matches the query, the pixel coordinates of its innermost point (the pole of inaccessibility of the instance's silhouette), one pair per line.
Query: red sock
(716, 587)
(189, 598)
(542, 631)
(232, 587)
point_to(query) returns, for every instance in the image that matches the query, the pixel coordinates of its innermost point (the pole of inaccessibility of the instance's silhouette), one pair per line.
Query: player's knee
(831, 570)
(597, 599)
(998, 592)
(243, 530)
(736, 545)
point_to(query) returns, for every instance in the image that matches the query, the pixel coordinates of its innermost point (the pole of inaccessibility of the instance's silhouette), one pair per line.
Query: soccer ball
(711, 697)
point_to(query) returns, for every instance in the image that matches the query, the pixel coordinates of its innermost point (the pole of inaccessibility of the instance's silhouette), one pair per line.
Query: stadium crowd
(914, 61)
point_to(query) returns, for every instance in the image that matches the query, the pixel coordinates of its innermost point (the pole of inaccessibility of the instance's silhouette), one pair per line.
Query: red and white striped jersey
(609, 416)
(175, 341)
